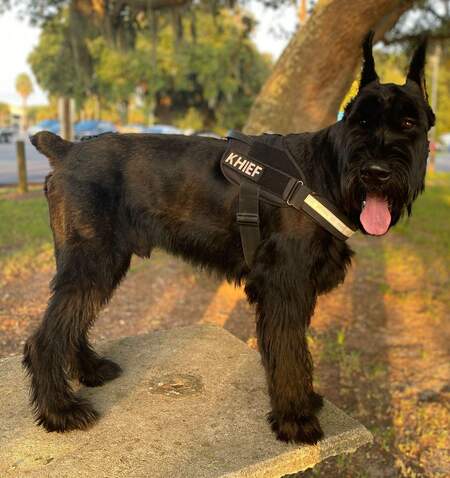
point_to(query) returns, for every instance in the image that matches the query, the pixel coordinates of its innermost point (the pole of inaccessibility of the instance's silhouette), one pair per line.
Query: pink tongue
(375, 217)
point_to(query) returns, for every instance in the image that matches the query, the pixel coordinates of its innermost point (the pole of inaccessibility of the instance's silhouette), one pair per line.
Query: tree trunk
(97, 109)
(24, 119)
(316, 69)
(65, 118)
(124, 107)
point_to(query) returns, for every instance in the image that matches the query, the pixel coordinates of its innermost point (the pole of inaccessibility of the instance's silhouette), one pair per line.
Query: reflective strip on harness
(313, 203)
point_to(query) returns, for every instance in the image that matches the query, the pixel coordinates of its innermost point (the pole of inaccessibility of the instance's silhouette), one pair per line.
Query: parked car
(6, 134)
(51, 125)
(163, 129)
(86, 128)
(132, 128)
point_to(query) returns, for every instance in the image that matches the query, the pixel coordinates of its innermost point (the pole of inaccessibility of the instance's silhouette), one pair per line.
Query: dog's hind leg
(87, 273)
(284, 305)
(91, 369)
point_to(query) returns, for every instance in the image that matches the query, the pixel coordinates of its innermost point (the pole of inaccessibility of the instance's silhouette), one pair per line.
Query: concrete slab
(191, 403)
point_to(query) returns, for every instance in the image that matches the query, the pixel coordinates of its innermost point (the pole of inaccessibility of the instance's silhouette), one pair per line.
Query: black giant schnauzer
(118, 195)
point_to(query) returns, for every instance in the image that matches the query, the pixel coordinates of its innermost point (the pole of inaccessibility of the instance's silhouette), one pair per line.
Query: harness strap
(273, 157)
(240, 137)
(271, 171)
(276, 158)
(248, 219)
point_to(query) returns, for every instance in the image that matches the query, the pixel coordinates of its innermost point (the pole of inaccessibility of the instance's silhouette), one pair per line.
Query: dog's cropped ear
(368, 73)
(416, 73)
(416, 70)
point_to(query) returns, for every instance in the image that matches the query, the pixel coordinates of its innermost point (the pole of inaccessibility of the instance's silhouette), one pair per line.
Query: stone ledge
(191, 403)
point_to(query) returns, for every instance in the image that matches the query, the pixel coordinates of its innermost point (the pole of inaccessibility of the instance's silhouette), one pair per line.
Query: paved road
(38, 167)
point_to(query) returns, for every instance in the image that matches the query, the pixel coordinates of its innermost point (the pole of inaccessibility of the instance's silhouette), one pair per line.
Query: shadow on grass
(353, 368)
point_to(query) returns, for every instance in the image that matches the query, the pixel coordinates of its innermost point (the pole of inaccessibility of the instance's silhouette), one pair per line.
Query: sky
(17, 39)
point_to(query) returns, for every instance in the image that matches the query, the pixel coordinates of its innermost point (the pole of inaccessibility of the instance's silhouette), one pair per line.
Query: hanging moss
(76, 38)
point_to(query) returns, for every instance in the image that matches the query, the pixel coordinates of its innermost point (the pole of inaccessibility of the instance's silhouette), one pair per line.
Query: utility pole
(434, 102)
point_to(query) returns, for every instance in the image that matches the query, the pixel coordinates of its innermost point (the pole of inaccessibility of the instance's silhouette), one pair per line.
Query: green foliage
(192, 120)
(37, 113)
(217, 72)
(39, 11)
(52, 60)
(36, 10)
(24, 86)
(443, 99)
(4, 114)
(116, 73)
(392, 66)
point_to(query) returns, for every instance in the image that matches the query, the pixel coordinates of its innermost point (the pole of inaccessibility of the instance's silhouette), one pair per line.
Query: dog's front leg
(285, 301)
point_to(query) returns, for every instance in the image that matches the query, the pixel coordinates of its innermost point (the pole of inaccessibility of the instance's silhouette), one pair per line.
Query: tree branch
(431, 34)
(431, 10)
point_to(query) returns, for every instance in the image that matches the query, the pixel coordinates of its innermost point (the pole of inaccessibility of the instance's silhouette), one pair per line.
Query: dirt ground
(380, 342)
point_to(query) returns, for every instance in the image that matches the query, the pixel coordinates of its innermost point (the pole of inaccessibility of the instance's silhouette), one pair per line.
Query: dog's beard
(377, 208)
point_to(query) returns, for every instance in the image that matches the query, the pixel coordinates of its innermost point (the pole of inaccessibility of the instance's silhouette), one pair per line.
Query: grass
(429, 227)
(25, 233)
(361, 377)
(24, 230)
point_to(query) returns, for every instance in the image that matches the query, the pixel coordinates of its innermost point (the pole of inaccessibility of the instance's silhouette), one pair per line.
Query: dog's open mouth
(375, 215)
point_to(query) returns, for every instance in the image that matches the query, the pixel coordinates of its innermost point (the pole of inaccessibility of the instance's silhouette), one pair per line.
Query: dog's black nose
(375, 173)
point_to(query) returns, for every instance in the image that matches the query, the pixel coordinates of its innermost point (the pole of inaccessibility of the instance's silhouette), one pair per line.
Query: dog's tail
(51, 145)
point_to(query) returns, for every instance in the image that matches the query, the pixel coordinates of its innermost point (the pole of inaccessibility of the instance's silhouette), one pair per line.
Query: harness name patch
(249, 168)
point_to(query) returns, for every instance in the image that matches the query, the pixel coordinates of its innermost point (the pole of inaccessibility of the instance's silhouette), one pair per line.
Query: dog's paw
(78, 415)
(296, 429)
(102, 371)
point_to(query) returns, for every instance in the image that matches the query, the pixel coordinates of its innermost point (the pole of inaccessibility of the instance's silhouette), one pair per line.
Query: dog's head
(384, 145)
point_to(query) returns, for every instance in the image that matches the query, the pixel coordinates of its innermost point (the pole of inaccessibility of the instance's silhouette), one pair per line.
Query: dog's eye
(407, 123)
(363, 123)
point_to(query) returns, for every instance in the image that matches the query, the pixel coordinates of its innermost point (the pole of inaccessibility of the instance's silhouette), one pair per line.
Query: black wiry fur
(368, 73)
(118, 195)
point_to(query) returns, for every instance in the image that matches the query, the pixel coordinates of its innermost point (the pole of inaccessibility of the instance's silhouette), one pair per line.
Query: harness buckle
(298, 184)
(247, 219)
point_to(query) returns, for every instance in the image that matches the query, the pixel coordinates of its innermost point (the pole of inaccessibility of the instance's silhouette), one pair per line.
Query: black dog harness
(265, 169)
